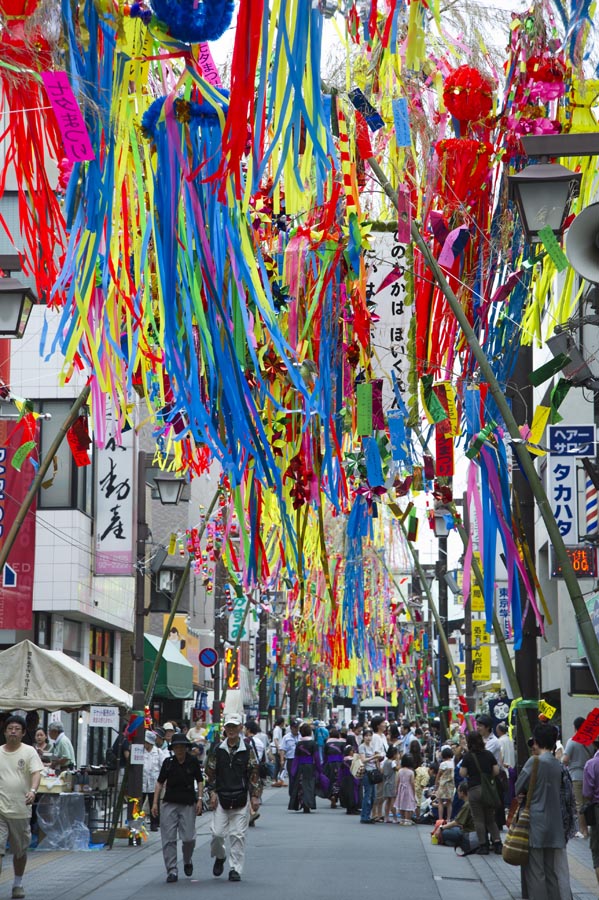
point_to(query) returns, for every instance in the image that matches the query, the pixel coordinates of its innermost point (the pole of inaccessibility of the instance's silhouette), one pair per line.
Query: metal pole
(443, 655)
(40, 475)
(583, 619)
(136, 771)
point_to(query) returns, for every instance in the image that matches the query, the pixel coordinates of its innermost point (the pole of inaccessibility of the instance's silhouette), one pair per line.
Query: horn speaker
(582, 243)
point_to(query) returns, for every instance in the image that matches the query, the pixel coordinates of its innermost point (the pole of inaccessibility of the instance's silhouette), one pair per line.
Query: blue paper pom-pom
(191, 21)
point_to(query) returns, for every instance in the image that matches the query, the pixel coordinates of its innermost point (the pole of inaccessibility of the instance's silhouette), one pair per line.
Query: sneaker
(18, 892)
(219, 867)
(234, 876)
(497, 848)
(188, 869)
(170, 879)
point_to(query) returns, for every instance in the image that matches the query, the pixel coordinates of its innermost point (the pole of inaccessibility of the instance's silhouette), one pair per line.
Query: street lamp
(16, 299)
(166, 496)
(169, 490)
(543, 193)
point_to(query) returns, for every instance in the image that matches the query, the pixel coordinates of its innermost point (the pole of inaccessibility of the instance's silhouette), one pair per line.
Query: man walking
(287, 746)
(233, 776)
(575, 758)
(20, 773)
(178, 777)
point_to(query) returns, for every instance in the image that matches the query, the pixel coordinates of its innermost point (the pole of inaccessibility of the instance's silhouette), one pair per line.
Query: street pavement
(321, 855)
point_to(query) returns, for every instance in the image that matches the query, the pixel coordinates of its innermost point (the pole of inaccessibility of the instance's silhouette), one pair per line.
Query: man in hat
(232, 773)
(20, 773)
(161, 744)
(179, 775)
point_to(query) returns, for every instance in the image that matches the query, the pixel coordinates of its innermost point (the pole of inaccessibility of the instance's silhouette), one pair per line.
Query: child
(444, 785)
(405, 801)
(389, 769)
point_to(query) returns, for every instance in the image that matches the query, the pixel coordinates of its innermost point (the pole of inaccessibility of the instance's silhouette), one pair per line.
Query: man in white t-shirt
(20, 774)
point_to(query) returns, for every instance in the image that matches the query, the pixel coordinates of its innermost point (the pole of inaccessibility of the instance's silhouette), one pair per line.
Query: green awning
(175, 673)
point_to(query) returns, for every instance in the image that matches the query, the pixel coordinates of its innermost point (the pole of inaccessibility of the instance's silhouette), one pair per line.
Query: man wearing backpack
(178, 777)
(232, 773)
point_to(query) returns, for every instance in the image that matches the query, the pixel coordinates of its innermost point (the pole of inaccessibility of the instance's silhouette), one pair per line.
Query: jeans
(368, 798)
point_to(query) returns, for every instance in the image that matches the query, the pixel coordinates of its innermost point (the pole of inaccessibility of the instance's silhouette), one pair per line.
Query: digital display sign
(583, 559)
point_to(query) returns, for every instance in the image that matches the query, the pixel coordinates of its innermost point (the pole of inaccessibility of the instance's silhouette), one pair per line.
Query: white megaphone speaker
(582, 243)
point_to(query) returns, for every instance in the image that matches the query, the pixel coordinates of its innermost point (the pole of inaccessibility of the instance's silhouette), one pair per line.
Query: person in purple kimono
(333, 757)
(306, 778)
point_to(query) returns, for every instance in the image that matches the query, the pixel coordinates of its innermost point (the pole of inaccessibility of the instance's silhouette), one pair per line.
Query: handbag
(515, 844)
(489, 795)
(357, 767)
(375, 776)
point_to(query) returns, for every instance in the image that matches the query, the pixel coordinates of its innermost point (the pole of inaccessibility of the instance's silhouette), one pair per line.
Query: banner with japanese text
(16, 586)
(115, 503)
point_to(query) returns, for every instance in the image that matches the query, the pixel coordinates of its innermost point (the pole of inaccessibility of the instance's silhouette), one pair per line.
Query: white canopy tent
(372, 703)
(34, 678)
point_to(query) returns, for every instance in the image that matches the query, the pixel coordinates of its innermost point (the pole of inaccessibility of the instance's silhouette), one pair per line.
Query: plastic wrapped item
(61, 821)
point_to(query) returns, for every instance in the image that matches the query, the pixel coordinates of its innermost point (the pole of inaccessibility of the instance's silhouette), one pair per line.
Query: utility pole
(220, 579)
(520, 392)
(261, 659)
(136, 770)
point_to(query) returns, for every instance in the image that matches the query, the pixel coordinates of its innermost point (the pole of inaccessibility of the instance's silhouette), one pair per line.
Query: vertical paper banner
(115, 506)
(386, 286)
(16, 586)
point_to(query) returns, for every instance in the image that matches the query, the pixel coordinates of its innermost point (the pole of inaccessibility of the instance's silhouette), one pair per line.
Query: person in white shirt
(288, 744)
(380, 745)
(151, 770)
(20, 775)
(277, 737)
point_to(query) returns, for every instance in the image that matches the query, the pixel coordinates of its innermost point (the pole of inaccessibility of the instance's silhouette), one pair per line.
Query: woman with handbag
(547, 873)
(477, 765)
(370, 760)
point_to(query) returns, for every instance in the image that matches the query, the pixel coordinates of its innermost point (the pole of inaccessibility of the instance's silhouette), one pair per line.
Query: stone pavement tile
(455, 877)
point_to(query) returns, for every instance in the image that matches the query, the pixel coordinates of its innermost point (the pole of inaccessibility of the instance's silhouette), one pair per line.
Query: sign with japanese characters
(115, 507)
(104, 717)
(481, 652)
(386, 286)
(236, 619)
(503, 609)
(477, 600)
(73, 130)
(572, 440)
(589, 729)
(563, 495)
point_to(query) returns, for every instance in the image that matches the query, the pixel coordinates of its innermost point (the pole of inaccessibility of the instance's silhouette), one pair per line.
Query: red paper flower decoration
(467, 94)
(18, 9)
(464, 167)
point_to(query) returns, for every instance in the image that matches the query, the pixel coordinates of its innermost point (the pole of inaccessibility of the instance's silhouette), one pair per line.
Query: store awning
(175, 673)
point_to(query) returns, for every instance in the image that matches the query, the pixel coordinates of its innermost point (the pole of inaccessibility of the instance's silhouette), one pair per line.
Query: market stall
(70, 804)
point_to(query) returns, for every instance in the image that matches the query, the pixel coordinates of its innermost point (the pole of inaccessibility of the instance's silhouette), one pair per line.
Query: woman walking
(476, 763)
(405, 801)
(333, 758)
(305, 773)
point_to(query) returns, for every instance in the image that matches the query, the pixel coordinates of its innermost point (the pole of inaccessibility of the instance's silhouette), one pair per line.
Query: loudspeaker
(582, 243)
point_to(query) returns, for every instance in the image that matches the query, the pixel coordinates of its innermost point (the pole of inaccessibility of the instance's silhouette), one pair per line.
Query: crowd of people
(385, 772)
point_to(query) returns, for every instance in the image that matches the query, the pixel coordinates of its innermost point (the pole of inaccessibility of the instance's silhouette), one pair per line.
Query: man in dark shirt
(181, 804)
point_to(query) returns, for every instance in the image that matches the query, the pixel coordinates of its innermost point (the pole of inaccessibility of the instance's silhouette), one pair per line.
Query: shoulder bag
(489, 795)
(515, 845)
(375, 776)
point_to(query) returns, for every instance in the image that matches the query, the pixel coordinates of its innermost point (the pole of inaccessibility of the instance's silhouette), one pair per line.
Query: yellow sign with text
(481, 652)
(545, 709)
(477, 600)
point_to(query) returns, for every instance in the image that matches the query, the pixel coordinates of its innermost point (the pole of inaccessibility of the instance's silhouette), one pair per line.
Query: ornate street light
(16, 299)
(543, 194)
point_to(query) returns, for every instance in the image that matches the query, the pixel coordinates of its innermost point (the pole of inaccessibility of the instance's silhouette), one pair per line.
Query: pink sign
(75, 137)
(208, 66)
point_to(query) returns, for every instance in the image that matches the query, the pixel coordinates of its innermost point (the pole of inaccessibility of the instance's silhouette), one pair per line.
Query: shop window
(68, 486)
(71, 639)
(101, 652)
